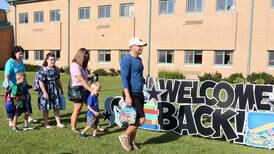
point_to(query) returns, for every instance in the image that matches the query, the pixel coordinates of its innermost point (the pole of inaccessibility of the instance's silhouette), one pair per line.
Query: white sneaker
(60, 126)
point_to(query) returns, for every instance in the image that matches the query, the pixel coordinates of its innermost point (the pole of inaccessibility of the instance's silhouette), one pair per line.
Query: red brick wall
(6, 40)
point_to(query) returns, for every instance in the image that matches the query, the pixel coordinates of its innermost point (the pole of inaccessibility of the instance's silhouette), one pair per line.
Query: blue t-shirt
(132, 73)
(93, 103)
(11, 68)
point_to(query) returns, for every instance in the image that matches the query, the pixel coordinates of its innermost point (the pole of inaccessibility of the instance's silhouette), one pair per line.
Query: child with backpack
(18, 97)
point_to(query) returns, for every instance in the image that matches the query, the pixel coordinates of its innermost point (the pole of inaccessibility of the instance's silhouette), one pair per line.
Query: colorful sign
(240, 113)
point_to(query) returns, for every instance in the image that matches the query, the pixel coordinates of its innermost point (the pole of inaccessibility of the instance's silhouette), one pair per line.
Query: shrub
(206, 76)
(268, 78)
(64, 70)
(112, 72)
(170, 75)
(100, 72)
(238, 80)
(259, 81)
(217, 76)
(31, 68)
(235, 78)
(118, 72)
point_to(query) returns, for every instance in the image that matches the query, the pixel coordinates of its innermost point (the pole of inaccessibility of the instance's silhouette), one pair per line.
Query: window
(127, 10)
(225, 5)
(38, 17)
(195, 6)
(26, 55)
(104, 56)
(223, 57)
(123, 53)
(272, 4)
(39, 55)
(55, 15)
(165, 56)
(56, 53)
(193, 57)
(166, 6)
(271, 58)
(104, 11)
(23, 18)
(84, 13)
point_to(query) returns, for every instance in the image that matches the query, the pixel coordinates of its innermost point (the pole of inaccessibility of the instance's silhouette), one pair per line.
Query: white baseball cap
(136, 41)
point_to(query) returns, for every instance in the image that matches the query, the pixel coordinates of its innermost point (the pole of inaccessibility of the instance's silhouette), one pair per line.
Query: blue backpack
(36, 86)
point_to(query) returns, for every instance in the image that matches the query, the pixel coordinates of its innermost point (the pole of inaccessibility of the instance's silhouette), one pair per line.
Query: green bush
(170, 75)
(238, 80)
(112, 72)
(268, 78)
(100, 72)
(235, 78)
(64, 70)
(217, 76)
(206, 76)
(259, 81)
(31, 68)
(118, 72)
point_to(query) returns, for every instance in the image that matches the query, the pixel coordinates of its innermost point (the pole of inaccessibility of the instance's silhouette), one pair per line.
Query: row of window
(195, 57)
(39, 54)
(127, 10)
(104, 11)
(192, 57)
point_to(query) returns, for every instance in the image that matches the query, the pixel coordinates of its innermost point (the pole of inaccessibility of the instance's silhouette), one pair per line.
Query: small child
(28, 100)
(93, 111)
(19, 99)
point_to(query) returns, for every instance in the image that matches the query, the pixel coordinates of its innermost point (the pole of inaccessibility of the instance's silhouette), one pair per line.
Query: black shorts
(137, 103)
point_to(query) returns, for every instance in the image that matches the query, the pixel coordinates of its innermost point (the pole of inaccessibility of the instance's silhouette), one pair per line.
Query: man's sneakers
(124, 140)
(28, 127)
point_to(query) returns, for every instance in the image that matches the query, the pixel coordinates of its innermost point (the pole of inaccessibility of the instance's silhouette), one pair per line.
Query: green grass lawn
(56, 140)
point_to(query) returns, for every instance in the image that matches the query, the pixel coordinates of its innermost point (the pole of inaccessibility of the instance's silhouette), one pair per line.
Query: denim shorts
(92, 121)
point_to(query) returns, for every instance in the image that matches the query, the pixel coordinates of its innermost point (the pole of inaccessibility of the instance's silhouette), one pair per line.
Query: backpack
(36, 86)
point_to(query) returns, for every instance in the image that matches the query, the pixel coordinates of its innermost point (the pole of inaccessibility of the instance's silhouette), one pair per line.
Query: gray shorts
(92, 121)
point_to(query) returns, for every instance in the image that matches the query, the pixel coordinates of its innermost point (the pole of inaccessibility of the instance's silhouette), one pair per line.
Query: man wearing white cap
(132, 82)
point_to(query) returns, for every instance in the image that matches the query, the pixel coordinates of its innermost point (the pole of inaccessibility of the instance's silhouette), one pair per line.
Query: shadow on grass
(164, 138)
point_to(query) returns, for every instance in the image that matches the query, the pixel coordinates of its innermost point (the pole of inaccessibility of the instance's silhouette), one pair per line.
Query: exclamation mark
(240, 124)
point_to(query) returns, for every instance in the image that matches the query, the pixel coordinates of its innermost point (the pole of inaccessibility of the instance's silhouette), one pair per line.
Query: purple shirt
(75, 70)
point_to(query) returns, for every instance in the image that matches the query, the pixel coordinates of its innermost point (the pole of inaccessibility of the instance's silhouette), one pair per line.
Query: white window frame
(24, 55)
(195, 9)
(40, 17)
(194, 53)
(129, 9)
(39, 55)
(104, 52)
(55, 16)
(167, 10)
(23, 18)
(226, 6)
(224, 52)
(122, 54)
(86, 13)
(165, 52)
(269, 52)
(104, 15)
(55, 52)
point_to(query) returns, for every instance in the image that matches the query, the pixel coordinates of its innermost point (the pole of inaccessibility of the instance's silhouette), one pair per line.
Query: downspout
(68, 33)
(149, 37)
(250, 36)
(15, 24)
